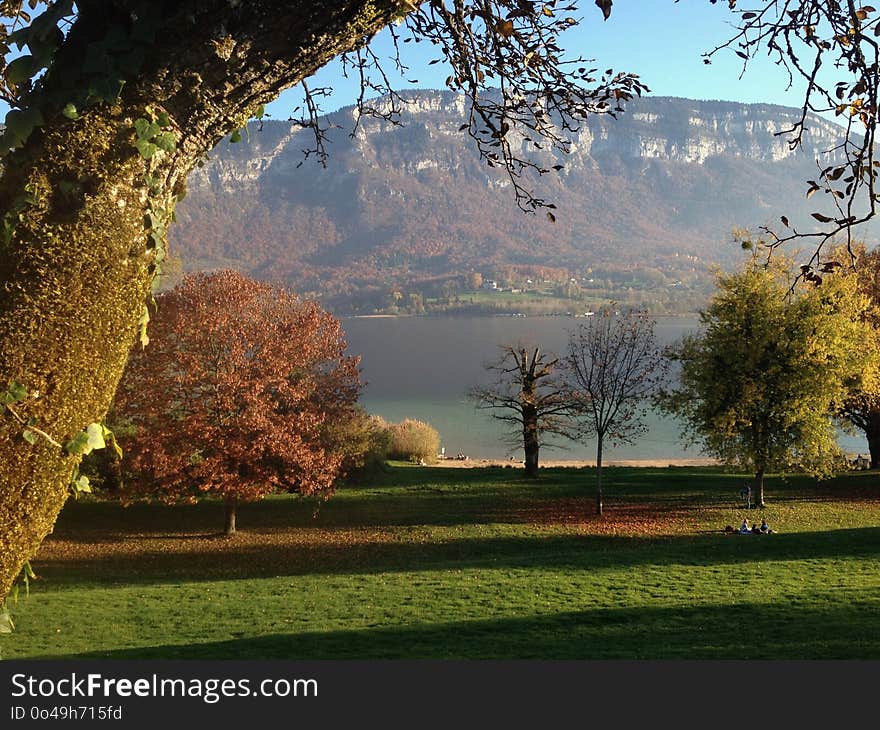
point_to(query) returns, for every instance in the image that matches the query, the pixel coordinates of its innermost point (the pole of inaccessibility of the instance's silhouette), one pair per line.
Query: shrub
(364, 441)
(414, 441)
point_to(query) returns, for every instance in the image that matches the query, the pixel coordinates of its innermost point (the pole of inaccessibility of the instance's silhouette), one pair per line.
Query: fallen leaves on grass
(631, 518)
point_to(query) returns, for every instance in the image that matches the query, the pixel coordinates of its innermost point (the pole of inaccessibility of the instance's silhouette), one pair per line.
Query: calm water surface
(422, 367)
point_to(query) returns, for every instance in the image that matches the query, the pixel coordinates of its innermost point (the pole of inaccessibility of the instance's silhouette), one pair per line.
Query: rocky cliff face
(681, 130)
(668, 178)
(661, 128)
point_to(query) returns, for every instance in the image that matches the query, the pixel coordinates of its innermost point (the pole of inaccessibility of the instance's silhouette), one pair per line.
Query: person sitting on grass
(744, 528)
(765, 528)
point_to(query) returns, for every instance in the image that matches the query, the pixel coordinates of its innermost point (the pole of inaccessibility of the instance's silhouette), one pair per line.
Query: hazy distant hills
(660, 186)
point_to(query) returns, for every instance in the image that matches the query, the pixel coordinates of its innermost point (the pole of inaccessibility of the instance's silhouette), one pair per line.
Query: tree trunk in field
(531, 462)
(872, 432)
(231, 505)
(531, 443)
(599, 498)
(758, 488)
(76, 270)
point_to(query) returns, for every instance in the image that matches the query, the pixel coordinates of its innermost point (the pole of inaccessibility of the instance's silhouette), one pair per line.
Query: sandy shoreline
(576, 463)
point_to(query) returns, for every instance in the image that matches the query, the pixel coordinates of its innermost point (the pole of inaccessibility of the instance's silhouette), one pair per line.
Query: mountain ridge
(399, 205)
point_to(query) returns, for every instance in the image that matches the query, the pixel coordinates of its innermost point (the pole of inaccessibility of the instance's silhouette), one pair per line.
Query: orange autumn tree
(237, 396)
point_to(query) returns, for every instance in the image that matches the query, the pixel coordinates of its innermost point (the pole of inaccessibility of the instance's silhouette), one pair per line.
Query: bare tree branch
(613, 366)
(832, 47)
(526, 97)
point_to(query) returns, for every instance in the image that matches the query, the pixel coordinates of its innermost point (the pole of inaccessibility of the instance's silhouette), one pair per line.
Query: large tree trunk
(599, 497)
(872, 432)
(531, 442)
(758, 488)
(531, 462)
(77, 267)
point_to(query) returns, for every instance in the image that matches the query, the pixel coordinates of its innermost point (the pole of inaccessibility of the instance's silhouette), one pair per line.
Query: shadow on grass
(740, 631)
(231, 560)
(109, 522)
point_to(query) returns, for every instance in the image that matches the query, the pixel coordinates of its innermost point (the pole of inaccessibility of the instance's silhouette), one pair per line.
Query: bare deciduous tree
(613, 366)
(527, 395)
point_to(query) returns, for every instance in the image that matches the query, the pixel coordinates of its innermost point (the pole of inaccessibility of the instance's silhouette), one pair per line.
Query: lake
(422, 367)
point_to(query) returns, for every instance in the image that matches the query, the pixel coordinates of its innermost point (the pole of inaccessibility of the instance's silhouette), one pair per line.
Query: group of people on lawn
(764, 529)
(744, 529)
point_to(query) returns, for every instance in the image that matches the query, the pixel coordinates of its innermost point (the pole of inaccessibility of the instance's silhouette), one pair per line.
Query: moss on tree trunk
(76, 271)
(76, 275)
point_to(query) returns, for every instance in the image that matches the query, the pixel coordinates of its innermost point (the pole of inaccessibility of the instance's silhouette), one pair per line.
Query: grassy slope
(473, 563)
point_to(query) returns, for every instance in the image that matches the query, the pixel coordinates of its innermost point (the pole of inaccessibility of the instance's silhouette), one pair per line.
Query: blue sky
(661, 40)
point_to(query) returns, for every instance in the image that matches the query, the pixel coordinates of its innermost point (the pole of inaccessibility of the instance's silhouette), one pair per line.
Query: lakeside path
(575, 463)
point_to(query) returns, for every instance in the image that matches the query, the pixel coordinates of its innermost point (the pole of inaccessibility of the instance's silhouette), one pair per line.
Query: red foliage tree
(237, 394)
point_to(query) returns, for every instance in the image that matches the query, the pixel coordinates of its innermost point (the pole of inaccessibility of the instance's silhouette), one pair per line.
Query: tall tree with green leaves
(862, 407)
(760, 382)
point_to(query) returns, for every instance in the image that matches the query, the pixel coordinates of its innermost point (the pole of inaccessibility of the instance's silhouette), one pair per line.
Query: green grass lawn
(469, 563)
